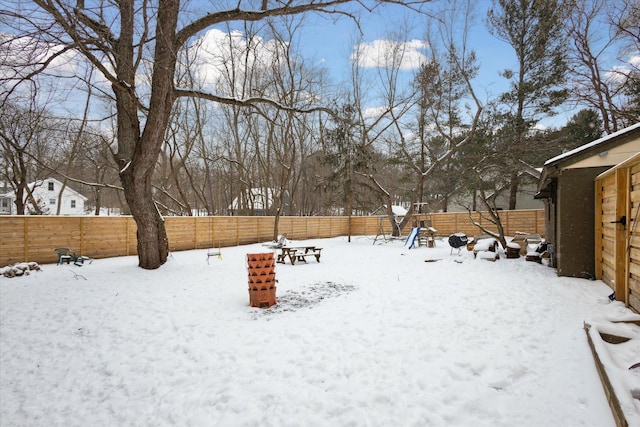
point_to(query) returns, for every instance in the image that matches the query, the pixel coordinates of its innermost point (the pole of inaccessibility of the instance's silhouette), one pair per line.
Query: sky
(332, 42)
(371, 336)
(329, 42)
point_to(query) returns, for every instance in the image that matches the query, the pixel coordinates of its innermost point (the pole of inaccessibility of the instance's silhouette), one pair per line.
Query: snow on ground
(371, 336)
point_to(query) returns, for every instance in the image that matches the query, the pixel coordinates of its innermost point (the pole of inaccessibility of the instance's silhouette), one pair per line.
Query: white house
(46, 193)
(256, 201)
(527, 189)
(6, 203)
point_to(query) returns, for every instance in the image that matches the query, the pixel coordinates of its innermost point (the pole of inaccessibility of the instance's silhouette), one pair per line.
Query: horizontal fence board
(634, 284)
(33, 238)
(608, 274)
(634, 269)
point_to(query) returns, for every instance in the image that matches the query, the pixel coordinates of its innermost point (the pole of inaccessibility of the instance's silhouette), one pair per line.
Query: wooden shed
(618, 232)
(567, 185)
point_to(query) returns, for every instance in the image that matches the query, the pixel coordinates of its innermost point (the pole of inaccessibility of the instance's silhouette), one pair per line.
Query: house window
(52, 201)
(50, 185)
(4, 203)
(73, 204)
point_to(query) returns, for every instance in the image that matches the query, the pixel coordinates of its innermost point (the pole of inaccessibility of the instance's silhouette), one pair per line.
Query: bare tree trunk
(21, 184)
(19, 202)
(137, 154)
(395, 228)
(98, 193)
(153, 245)
(513, 191)
(492, 216)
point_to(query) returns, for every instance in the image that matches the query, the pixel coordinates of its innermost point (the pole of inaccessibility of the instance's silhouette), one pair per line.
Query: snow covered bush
(20, 269)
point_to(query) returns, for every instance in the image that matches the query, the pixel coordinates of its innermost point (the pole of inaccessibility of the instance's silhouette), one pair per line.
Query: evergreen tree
(534, 29)
(585, 126)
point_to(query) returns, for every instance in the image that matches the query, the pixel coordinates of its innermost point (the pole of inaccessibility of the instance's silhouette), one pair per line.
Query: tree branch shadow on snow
(305, 297)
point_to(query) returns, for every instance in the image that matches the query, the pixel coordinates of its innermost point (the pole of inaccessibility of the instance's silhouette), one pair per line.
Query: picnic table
(298, 253)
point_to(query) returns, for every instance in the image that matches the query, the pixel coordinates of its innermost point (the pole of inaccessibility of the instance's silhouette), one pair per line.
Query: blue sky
(331, 42)
(328, 40)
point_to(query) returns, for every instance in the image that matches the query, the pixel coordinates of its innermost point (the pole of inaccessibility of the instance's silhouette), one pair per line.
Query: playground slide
(411, 238)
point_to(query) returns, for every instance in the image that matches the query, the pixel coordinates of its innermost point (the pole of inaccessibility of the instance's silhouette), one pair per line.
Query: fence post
(126, 248)
(81, 235)
(26, 239)
(507, 229)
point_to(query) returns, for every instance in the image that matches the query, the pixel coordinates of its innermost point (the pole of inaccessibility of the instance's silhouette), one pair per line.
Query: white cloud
(383, 53)
(619, 73)
(539, 127)
(374, 112)
(24, 55)
(229, 56)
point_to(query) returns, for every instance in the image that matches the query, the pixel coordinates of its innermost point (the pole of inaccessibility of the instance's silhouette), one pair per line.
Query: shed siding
(575, 231)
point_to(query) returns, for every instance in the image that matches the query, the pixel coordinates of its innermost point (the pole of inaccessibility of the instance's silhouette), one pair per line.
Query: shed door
(618, 240)
(606, 229)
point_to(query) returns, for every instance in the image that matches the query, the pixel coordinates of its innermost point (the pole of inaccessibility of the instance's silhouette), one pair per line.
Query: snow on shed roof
(595, 143)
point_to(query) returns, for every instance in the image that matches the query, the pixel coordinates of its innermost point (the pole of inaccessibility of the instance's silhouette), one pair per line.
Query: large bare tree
(596, 83)
(124, 41)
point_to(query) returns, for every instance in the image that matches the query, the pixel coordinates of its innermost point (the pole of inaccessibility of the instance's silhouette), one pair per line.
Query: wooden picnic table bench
(298, 253)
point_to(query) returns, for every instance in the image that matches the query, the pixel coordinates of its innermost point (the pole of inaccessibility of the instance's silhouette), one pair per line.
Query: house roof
(396, 209)
(530, 170)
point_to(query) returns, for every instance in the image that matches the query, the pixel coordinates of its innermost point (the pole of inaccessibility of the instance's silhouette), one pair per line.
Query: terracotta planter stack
(262, 279)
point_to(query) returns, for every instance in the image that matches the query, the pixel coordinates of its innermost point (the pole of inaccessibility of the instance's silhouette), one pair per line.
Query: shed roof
(593, 146)
(554, 166)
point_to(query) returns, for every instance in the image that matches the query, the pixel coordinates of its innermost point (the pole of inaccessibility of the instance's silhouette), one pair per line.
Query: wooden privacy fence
(33, 238)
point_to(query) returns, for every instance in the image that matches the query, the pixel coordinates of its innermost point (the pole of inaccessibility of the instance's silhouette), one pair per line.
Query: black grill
(457, 240)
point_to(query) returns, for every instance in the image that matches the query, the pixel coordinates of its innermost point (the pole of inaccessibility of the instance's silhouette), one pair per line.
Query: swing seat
(213, 252)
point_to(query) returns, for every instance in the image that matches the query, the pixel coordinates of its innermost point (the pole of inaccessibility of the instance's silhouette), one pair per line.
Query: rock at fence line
(20, 269)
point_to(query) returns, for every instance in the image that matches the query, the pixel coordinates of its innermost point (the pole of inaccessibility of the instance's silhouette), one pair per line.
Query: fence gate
(618, 232)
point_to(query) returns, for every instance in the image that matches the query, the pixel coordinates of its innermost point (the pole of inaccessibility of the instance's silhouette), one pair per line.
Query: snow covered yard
(371, 336)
